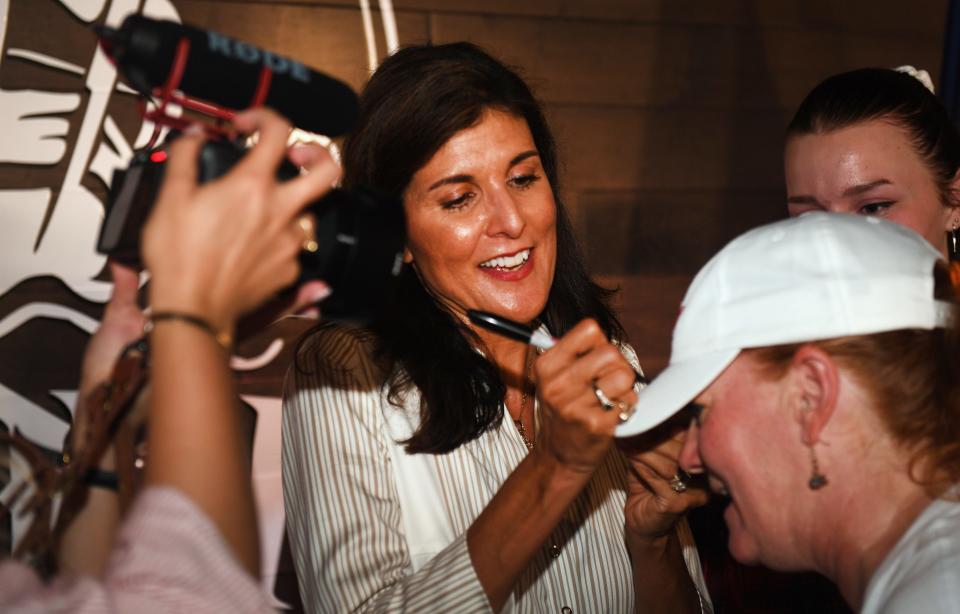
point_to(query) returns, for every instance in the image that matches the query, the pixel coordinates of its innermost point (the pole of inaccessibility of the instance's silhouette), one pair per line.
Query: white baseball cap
(818, 276)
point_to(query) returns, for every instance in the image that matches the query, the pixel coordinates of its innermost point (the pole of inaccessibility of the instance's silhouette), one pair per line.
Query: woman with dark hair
(877, 142)
(405, 487)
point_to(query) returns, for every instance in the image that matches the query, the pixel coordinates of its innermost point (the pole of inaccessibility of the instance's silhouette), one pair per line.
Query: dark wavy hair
(417, 100)
(880, 93)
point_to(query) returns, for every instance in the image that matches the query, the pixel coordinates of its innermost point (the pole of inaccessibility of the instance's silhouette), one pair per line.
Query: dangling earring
(817, 479)
(953, 253)
(953, 241)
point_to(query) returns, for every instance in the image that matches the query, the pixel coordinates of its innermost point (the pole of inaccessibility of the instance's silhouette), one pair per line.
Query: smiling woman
(821, 354)
(876, 142)
(433, 466)
(483, 221)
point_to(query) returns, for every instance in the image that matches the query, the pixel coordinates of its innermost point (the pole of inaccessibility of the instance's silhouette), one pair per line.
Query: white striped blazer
(374, 529)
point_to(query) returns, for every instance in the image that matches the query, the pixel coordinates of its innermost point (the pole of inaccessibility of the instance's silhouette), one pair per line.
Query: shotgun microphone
(228, 72)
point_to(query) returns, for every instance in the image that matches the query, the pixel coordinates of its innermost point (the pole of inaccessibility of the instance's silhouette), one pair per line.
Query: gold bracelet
(221, 337)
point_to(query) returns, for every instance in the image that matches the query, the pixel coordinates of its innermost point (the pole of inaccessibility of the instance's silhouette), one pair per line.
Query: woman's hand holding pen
(576, 430)
(584, 372)
(574, 437)
(585, 384)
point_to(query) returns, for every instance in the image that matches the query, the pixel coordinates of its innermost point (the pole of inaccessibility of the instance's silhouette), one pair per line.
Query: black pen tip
(479, 317)
(502, 326)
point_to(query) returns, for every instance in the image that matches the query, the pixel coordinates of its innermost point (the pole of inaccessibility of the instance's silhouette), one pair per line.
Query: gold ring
(308, 226)
(679, 481)
(606, 402)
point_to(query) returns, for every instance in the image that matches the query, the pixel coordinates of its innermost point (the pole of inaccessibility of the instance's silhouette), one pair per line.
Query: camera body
(360, 233)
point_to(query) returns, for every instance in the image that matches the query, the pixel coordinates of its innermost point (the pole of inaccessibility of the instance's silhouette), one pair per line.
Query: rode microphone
(155, 56)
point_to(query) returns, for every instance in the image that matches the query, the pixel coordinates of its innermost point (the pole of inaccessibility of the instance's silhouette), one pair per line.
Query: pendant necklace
(527, 439)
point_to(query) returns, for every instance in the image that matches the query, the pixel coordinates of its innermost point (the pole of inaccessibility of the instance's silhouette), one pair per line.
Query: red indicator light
(158, 156)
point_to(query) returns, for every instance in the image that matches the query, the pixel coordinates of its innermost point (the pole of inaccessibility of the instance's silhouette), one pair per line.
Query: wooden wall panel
(630, 64)
(616, 149)
(328, 38)
(883, 16)
(639, 297)
(655, 232)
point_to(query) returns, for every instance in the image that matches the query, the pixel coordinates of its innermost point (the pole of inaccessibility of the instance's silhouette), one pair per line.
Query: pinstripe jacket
(375, 529)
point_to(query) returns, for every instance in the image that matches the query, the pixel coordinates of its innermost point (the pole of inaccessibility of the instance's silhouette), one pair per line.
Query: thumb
(126, 282)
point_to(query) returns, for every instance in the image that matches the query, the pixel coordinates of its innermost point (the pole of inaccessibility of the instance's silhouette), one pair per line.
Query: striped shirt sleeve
(343, 511)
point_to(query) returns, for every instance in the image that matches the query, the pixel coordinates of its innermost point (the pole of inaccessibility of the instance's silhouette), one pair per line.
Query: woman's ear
(953, 203)
(816, 384)
(407, 255)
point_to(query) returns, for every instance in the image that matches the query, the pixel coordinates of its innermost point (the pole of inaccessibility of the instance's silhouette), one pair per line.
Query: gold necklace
(527, 440)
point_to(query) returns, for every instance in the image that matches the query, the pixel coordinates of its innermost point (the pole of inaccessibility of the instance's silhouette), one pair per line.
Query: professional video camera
(360, 234)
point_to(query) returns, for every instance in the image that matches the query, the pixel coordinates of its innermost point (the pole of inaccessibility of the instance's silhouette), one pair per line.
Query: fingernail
(312, 313)
(320, 293)
(194, 129)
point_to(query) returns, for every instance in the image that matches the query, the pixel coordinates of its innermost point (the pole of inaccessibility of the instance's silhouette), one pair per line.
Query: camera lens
(360, 240)
(360, 233)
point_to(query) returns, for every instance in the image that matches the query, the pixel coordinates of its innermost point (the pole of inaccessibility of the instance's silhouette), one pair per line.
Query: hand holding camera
(219, 249)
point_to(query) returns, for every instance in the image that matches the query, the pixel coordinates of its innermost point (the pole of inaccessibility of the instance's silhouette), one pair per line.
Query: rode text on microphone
(215, 75)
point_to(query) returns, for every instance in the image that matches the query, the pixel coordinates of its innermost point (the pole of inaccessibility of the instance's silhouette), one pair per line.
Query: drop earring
(953, 242)
(817, 479)
(953, 254)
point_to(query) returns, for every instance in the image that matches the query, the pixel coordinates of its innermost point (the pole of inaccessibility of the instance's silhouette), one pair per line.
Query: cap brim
(670, 392)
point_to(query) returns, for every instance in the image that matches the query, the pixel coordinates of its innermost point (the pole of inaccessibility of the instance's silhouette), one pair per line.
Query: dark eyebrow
(851, 191)
(865, 187)
(804, 200)
(451, 179)
(517, 159)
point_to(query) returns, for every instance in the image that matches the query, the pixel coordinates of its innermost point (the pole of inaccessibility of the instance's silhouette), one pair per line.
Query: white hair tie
(920, 75)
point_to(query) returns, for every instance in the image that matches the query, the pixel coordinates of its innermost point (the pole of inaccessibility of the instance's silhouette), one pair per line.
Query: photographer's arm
(215, 252)
(85, 544)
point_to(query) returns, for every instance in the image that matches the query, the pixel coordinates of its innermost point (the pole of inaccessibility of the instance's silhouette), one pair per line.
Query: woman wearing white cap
(821, 355)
